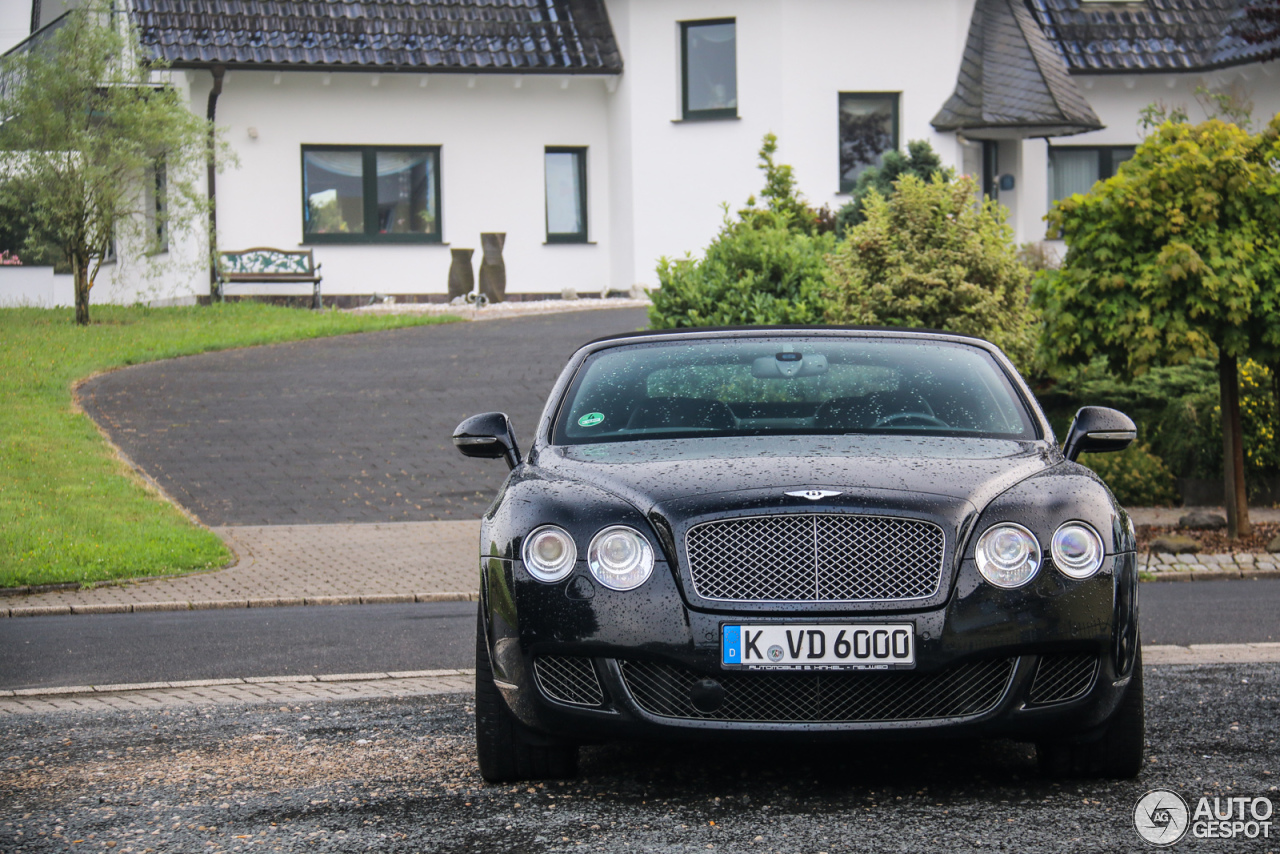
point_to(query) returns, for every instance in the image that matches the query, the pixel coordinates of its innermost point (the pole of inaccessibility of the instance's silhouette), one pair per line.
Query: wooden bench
(266, 266)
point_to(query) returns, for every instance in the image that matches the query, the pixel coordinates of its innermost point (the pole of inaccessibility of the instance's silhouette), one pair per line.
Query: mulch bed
(1213, 542)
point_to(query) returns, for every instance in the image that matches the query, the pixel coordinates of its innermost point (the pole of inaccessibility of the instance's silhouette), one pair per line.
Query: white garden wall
(35, 287)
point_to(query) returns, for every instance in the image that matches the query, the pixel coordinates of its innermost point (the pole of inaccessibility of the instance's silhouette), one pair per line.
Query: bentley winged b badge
(814, 494)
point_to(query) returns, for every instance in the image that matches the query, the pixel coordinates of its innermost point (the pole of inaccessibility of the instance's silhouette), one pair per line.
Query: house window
(157, 207)
(1075, 169)
(353, 194)
(868, 128)
(566, 195)
(709, 68)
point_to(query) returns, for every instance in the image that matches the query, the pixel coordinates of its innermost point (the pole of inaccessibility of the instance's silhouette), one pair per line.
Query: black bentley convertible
(803, 533)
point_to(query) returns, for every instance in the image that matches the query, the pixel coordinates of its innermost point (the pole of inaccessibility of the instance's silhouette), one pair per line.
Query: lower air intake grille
(1062, 677)
(824, 697)
(569, 680)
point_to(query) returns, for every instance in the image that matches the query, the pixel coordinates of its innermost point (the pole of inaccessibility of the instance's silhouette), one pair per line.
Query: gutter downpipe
(210, 113)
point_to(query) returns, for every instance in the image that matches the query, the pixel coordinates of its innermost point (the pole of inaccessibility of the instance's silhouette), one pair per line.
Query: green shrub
(765, 267)
(929, 256)
(920, 160)
(1135, 475)
(756, 271)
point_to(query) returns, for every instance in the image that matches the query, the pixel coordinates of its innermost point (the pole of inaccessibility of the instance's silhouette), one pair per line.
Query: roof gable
(1013, 82)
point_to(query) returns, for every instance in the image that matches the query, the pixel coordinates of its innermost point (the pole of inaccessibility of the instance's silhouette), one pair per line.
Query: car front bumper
(578, 662)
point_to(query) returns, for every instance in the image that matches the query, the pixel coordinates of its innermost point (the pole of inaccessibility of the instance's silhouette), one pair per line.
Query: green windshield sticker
(591, 419)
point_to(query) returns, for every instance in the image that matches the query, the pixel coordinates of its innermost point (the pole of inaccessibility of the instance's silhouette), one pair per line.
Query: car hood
(692, 476)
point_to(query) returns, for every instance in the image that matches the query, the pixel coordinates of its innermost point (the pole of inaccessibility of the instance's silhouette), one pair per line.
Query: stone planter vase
(493, 270)
(461, 277)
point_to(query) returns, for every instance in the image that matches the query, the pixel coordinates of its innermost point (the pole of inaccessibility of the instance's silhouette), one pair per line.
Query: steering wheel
(923, 419)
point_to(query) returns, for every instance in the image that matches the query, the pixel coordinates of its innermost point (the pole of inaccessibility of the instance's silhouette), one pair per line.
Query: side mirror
(1096, 429)
(488, 435)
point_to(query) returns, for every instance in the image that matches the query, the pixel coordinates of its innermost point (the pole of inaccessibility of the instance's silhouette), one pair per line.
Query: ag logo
(1161, 817)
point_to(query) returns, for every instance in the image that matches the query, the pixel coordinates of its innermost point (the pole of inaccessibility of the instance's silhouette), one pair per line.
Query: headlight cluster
(619, 557)
(1009, 555)
(549, 553)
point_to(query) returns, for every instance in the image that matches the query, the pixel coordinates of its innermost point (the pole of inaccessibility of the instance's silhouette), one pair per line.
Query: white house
(600, 135)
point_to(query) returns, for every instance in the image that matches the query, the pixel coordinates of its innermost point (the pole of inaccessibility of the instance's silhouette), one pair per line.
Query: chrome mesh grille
(826, 696)
(803, 557)
(569, 680)
(1062, 677)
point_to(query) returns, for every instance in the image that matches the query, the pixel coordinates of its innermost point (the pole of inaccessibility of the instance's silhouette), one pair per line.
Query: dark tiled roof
(1158, 35)
(522, 36)
(1013, 82)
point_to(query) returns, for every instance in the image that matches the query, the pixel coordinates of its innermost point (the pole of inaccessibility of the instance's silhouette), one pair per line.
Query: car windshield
(789, 386)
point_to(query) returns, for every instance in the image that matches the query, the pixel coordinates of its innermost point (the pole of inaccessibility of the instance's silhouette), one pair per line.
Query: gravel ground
(400, 776)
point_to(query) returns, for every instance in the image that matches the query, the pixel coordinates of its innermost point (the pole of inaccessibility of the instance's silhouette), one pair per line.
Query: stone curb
(250, 680)
(266, 602)
(1212, 653)
(1207, 574)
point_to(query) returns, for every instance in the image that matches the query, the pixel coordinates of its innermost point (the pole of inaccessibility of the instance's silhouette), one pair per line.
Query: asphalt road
(399, 776)
(106, 649)
(153, 647)
(348, 429)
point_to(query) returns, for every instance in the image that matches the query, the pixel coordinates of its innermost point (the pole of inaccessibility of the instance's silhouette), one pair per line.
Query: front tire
(1117, 754)
(507, 750)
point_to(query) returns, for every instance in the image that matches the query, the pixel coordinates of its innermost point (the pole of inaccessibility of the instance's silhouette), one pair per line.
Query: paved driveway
(348, 429)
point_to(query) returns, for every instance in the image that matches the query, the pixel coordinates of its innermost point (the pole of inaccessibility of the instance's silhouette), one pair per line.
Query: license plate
(804, 647)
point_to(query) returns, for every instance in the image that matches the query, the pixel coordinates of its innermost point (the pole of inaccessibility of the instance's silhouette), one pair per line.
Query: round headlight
(549, 553)
(620, 558)
(1008, 555)
(1077, 550)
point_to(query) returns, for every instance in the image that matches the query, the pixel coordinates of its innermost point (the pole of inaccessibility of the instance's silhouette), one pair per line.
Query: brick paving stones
(297, 565)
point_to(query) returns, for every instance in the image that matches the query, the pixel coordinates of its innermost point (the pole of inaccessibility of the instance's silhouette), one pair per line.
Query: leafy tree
(929, 256)
(920, 160)
(86, 128)
(1175, 258)
(765, 267)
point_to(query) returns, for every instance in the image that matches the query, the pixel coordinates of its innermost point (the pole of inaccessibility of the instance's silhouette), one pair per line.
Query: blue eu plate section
(731, 650)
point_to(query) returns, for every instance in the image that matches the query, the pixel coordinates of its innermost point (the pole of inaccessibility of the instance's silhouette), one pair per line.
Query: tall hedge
(930, 256)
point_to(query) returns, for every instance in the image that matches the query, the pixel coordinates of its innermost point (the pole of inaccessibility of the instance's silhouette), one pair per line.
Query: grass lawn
(69, 509)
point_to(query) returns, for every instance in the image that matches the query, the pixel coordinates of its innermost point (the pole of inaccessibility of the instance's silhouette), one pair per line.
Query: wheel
(506, 749)
(1116, 754)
